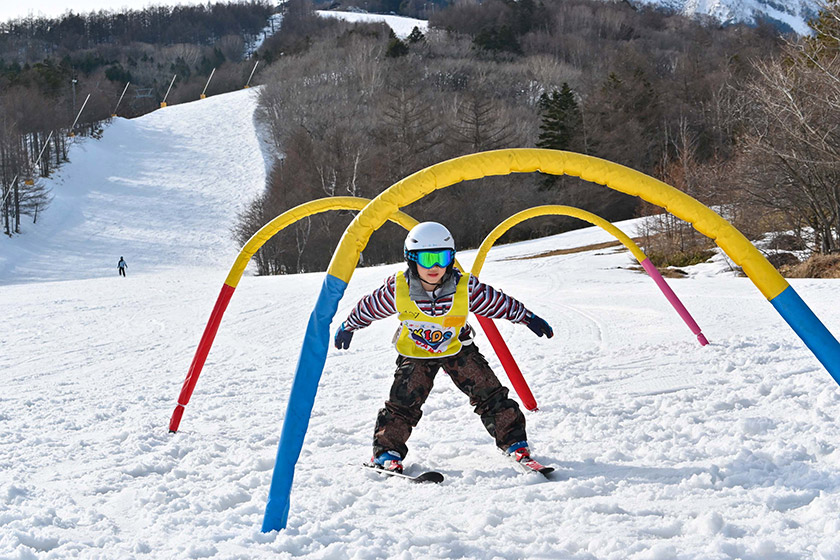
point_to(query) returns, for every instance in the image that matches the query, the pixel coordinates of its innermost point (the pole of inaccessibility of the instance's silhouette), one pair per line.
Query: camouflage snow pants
(470, 372)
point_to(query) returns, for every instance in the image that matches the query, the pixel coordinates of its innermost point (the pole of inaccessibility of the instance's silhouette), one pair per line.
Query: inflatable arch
(489, 327)
(503, 162)
(259, 239)
(594, 219)
(353, 203)
(253, 245)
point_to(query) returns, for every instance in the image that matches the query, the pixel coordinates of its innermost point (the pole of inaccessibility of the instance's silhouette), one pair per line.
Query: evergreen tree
(396, 49)
(561, 127)
(562, 124)
(116, 73)
(499, 39)
(416, 36)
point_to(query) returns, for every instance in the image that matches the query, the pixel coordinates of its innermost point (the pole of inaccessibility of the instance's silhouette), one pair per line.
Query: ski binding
(529, 465)
(429, 476)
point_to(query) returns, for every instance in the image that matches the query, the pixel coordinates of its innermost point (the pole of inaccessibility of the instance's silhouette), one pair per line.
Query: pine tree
(562, 123)
(416, 36)
(561, 127)
(396, 49)
(498, 39)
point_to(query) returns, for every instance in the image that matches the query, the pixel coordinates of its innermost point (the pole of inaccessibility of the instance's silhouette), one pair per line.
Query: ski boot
(388, 461)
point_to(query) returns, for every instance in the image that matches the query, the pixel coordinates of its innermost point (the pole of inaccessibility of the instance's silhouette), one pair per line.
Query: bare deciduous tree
(790, 158)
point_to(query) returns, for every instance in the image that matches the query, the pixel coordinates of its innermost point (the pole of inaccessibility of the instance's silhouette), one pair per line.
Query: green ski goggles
(428, 259)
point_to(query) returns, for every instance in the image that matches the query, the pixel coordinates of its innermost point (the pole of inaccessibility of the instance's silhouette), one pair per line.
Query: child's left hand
(539, 326)
(343, 338)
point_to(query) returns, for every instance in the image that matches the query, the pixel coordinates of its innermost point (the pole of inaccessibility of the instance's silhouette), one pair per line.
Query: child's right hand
(343, 338)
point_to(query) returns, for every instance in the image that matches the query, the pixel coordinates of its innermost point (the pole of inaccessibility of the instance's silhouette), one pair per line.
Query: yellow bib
(425, 336)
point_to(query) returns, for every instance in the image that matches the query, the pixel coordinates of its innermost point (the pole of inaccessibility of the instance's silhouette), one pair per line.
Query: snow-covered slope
(402, 26)
(162, 190)
(664, 449)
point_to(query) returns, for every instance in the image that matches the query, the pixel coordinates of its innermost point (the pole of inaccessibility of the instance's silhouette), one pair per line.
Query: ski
(529, 465)
(430, 476)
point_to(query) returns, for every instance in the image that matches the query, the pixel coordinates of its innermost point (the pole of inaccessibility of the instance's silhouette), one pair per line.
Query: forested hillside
(353, 109)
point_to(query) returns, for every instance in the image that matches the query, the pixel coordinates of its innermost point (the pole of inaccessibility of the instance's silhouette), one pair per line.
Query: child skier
(433, 300)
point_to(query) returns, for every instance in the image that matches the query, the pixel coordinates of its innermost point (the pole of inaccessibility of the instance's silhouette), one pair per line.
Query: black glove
(539, 326)
(343, 338)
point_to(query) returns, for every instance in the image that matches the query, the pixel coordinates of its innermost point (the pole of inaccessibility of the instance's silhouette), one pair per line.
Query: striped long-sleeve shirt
(484, 300)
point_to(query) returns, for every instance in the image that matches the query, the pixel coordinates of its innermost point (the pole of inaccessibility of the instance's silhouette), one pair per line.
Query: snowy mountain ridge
(793, 14)
(786, 14)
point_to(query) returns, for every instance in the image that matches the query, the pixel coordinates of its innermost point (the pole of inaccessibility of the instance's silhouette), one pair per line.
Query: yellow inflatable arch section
(494, 336)
(253, 245)
(503, 162)
(594, 219)
(551, 210)
(296, 214)
(588, 168)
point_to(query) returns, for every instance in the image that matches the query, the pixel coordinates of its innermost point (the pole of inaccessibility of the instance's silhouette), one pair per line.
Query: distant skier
(121, 266)
(433, 300)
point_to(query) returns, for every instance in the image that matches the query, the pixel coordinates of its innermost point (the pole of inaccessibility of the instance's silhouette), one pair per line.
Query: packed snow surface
(663, 448)
(402, 26)
(162, 190)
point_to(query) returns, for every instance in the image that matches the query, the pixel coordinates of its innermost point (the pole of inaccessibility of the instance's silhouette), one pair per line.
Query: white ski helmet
(428, 235)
